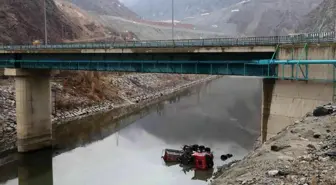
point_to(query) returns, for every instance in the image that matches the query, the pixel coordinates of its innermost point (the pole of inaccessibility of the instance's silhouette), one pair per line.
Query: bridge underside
(183, 63)
(220, 68)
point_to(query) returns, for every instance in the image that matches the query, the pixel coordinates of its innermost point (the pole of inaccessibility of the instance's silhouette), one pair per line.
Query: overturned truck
(200, 157)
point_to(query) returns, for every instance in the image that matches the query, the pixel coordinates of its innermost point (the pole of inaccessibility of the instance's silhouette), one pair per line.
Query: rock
(311, 146)
(303, 180)
(293, 131)
(278, 148)
(317, 135)
(322, 111)
(297, 121)
(273, 172)
(225, 157)
(306, 157)
(323, 159)
(292, 177)
(331, 154)
(309, 114)
(9, 129)
(287, 158)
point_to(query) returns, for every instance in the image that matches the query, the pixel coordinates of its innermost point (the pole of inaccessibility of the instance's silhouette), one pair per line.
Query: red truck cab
(203, 161)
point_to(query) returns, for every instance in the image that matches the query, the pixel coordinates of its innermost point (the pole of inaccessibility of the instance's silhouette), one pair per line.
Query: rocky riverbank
(302, 154)
(134, 91)
(136, 100)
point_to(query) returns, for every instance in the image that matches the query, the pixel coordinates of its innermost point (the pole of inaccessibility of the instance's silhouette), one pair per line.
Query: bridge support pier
(286, 101)
(33, 108)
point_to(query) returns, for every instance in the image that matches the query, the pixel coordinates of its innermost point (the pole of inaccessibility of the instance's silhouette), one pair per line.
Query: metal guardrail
(325, 37)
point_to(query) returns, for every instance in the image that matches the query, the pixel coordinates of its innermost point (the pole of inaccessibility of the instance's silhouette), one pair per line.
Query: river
(223, 114)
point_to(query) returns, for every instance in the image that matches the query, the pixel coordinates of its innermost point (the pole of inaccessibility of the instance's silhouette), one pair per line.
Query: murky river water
(223, 114)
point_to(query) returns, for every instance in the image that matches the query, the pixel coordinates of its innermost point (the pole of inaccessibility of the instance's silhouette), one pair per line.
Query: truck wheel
(194, 147)
(209, 161)
(224, 157)
(210, 165)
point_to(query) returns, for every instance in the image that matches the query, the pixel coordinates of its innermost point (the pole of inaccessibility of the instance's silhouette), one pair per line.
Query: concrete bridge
(298, 73)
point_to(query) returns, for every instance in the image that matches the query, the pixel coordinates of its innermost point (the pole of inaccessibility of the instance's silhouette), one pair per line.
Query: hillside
(321, 19)
(162, 9)
(22, 22)
(239, 17)
(258, 17)
(91, 28)
(105, 7)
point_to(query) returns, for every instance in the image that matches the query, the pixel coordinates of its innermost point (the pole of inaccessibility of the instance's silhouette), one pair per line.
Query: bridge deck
(175, 45)
(249, 56)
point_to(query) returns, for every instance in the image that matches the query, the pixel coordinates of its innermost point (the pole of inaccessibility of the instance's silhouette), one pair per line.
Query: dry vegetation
(83, 88)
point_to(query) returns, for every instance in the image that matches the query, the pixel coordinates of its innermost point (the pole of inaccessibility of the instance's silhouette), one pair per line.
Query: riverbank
(144, 94)
(131, 103)
(301, 154)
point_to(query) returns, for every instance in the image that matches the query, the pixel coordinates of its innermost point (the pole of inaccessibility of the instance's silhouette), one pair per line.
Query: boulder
(322, 111)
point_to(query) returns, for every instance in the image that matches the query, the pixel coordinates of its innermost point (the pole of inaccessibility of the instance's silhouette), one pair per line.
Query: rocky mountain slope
(105, 7)
(258, 17)
(162, 9)
(92, 29)
(321, 19)
(241, 17)
(22, 22)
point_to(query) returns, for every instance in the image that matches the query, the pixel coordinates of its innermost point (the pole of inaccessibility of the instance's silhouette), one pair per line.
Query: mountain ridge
(321, 19)
(105, 7)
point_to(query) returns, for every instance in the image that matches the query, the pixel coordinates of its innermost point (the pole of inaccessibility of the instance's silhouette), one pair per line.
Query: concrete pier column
(33, 108)
(286, 101)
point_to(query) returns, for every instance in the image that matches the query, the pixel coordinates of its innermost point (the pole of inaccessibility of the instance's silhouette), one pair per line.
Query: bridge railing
(324, 37)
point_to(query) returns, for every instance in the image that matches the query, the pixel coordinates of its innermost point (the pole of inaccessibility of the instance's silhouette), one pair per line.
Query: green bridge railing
(325, 37)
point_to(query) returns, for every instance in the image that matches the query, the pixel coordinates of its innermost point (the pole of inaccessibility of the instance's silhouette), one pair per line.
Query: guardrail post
(211, 69)
(273, 56)
(334, 83)
(244, 69)
(303, 54)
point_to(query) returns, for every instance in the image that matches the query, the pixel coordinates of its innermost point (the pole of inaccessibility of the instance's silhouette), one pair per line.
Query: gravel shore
(302, 154)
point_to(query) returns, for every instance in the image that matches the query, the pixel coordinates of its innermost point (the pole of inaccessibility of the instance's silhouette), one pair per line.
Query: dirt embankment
(302, 154)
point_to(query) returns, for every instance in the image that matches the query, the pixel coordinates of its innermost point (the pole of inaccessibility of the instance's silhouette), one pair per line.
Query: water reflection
(35, 168)
(97, 149)
(202, 175)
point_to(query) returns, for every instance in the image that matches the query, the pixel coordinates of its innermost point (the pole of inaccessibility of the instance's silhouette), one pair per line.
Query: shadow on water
(219, 113)
(33, 168)
(202, 175)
